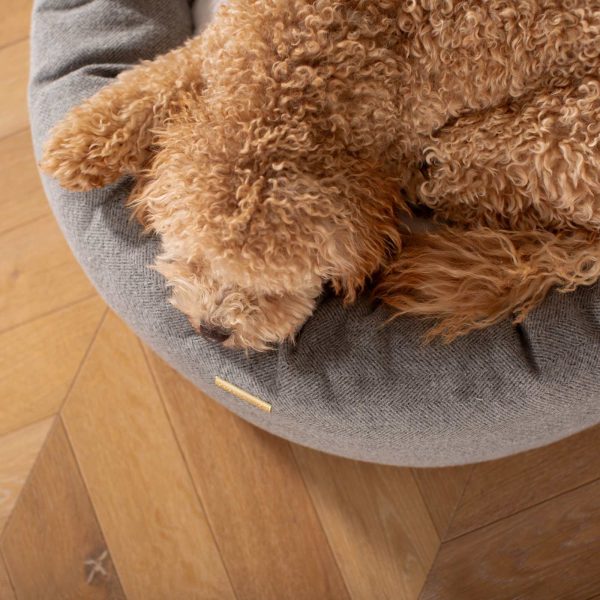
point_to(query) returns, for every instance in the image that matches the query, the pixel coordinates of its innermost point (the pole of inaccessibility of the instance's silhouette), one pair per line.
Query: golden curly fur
(281, 148)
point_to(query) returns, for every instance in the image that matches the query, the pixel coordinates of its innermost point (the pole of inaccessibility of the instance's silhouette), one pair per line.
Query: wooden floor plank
(52, 544)
(263, 518)
(6, 589)
(151, 516)
(14, 71)
(18, 451)
(38, 273)
(14, 20)
(38, 361)
(503, 487)
(442, 490)
(22, 198)
(377, 524)
(549, 551)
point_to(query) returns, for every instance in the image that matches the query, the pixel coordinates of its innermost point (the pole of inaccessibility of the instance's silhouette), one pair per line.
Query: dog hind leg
(470, 279)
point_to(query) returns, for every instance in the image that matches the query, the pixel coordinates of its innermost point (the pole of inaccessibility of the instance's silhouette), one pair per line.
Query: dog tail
(470, 279)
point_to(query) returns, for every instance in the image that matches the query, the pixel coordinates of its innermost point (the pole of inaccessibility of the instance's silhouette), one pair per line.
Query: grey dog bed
(348, 386)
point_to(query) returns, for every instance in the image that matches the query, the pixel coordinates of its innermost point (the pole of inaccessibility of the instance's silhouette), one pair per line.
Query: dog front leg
(535, 163)
(112, 133)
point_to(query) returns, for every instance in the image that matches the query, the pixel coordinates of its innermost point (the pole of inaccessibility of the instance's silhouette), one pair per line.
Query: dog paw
(81, 154)
(98, 142)
(73, 163)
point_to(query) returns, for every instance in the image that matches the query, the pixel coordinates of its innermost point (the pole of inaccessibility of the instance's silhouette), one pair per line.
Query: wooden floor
(119, 480)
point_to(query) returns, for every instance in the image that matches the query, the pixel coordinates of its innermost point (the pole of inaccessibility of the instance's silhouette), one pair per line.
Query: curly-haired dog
(277, 151)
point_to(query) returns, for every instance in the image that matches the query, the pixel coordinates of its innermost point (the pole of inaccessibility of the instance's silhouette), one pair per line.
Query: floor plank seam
(14, 43)
(456, 507)
(320, 521)
(518, 512)
(24, 487)
(185, 462)
(439, 533)
(425, 503)
(29, 424)
(7, 571)
(91, 500)
(16, 132)
(25, 224)
(49, 313)
(83, 359)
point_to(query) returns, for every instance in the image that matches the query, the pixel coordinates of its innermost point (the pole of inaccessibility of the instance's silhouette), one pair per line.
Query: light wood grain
(379, 510)
(549, 551)
(6, 589)
(14, 21)
(500, 488)
(263, 518)
(14, 71)
(442, 490)
(38, 273)
(22, 198)
(18, 451)
(38, 361)
(138, 482)
(53, 540)
(290, 522)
